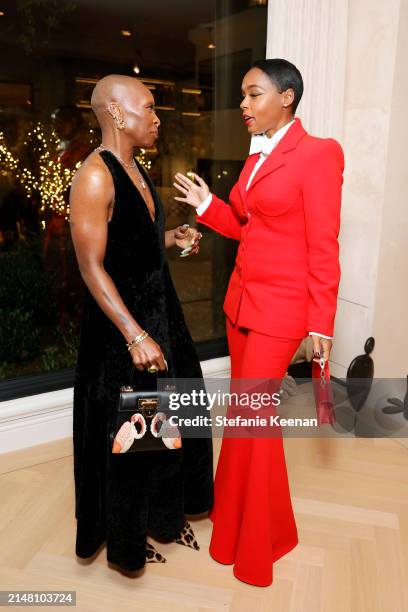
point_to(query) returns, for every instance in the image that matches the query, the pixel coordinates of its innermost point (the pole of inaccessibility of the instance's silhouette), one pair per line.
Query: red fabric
(253, 520)
(287, 272)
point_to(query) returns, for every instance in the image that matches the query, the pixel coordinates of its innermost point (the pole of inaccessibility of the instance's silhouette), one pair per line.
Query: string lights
(141, 158)
(8, 162)
(50, 179)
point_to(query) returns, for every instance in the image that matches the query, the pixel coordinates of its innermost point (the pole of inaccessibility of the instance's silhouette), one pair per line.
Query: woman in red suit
(285, 212)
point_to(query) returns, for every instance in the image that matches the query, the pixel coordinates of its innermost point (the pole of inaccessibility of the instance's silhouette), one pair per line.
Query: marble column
(351, 56)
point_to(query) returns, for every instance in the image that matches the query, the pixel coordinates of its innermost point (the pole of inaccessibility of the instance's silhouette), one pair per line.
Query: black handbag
(141, 421)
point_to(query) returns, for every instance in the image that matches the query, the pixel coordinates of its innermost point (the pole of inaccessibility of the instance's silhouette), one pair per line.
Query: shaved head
(115, 88)
(124, 105)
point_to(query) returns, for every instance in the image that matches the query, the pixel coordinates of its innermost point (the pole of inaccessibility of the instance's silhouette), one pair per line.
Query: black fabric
(119, 498)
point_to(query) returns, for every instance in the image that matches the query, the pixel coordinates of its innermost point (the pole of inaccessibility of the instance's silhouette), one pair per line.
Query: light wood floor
(351, 503)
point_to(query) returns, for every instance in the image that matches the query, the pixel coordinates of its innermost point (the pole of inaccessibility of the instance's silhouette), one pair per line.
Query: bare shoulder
(92, 184)
(92, 192)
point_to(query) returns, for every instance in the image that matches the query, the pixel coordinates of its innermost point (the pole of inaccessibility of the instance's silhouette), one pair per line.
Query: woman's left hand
(186, 237)
(322, 346)
(193, 194)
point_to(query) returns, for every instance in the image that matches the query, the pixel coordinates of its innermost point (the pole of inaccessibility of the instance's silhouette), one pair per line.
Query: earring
(120, 123)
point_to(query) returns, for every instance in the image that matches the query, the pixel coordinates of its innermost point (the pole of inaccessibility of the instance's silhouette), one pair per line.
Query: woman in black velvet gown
(122, 498)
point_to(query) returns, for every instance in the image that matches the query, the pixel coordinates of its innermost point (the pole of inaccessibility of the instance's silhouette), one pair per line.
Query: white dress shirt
(262, 144)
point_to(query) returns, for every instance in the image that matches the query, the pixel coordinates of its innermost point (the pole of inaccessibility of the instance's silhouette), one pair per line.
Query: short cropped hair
(284, 75)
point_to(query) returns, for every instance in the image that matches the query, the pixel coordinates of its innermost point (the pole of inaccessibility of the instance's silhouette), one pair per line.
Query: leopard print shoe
(187, 537)
(153, 555)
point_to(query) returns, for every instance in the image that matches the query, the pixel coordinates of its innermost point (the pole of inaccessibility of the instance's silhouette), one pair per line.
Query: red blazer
(287, 271)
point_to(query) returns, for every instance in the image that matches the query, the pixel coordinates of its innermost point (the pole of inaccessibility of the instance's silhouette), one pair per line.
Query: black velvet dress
(121, 498)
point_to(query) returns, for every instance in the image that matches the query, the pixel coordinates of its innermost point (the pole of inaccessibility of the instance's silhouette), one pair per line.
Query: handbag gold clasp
(148, 402)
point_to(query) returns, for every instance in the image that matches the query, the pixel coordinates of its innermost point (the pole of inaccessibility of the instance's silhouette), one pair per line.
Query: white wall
(391, 299)
(351, 55)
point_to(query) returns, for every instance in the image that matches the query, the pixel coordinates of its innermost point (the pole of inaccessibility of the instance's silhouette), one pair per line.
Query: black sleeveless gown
(121, 498)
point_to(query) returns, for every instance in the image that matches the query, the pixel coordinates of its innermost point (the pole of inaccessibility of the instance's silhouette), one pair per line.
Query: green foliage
(64, 353)
(27, 304)
(18, 336)
(25, 285)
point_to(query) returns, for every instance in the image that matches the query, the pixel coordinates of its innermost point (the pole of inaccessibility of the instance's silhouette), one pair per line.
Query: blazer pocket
(274, 206)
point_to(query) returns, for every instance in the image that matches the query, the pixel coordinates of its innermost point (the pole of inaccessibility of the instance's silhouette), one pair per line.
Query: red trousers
(253, 521)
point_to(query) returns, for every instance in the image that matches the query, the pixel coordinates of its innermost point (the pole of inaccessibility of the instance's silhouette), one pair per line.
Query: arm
(322, 181)
(221, 217)
(218, 215)
(90, 199)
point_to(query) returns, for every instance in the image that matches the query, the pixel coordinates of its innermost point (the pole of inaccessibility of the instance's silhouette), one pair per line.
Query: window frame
(35, 384)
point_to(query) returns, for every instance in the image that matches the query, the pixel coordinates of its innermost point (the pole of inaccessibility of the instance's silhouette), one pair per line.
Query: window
(192, 56)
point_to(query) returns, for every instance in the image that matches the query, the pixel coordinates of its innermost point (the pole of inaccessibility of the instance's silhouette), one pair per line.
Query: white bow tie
(260, 143)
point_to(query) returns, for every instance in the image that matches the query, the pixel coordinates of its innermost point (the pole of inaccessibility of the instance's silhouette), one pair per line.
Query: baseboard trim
(46, 417)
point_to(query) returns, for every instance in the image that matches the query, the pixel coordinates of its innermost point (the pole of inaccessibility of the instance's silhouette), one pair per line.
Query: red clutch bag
(323, 393)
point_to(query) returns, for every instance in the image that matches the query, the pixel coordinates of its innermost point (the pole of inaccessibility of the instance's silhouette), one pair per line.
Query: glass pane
(192, 56)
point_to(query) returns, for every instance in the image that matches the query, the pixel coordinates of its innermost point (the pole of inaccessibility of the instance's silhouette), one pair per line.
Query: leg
(253, 517)
(232, 459)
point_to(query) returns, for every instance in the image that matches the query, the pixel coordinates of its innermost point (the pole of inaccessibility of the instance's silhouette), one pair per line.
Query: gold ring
(153, 369)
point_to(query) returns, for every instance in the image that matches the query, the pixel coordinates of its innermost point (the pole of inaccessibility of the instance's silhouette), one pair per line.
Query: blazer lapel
(277, 158)
(246, 173)
(274, 161)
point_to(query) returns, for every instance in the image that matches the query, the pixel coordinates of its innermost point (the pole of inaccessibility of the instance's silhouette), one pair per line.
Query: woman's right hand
(194, 194)
(148, 353)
